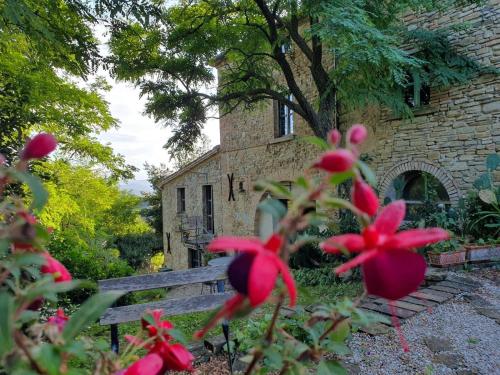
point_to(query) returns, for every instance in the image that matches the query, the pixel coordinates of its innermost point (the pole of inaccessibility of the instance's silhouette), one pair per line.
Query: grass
(190, 323)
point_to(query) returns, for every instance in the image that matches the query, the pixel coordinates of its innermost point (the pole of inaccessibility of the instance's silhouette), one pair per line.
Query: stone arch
(261, 218)
(421, 165)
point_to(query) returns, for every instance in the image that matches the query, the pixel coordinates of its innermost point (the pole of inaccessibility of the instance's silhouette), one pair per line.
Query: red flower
(26, 216)
(364, 198)
(175, 357)
(336, 161)
(56, 268)
(40, 146)
(2, 160)
(357, 134)
(59, 320)
(334, 137)
(151, 364)
(252, 274)
(159, 324)
(391, 268)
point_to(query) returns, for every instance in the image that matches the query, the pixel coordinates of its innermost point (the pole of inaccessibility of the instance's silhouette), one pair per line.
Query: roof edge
(207, 155)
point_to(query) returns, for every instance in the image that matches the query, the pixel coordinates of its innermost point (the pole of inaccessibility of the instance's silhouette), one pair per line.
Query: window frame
(208, 208)
(181, 200)
(284, 124)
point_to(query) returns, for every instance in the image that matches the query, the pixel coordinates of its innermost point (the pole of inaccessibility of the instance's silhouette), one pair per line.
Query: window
(181, 200)
(195, 258)
(416, 93)
(208, 208)
(284, 119)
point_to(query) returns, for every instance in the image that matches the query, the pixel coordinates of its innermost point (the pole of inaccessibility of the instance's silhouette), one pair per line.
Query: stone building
(443, 146)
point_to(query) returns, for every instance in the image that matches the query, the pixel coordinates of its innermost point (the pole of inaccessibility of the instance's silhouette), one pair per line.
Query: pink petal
(415, 238)
(361, 258)
(177, 358)
(274, 243)
(288, 280)
(364, 198)
(262, 279)
(391, 217)
(357, 134)
(394, 274)
(251, 244)
(336, 161)
(350, 242)
(149, 365)
(40, 146)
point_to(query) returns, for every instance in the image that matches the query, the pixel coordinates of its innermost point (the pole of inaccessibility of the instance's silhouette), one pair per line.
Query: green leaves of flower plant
(273, 207)
(331, 368)
(40, 195)
(88, 313)
(6, 323)
(367, 172)
(316, 141)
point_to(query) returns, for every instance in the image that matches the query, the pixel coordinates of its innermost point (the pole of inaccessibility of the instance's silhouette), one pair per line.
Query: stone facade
(450, 139)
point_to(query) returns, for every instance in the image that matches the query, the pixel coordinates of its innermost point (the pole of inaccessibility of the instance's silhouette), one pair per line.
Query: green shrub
(137, 249)
(317, 276)
(88, 263)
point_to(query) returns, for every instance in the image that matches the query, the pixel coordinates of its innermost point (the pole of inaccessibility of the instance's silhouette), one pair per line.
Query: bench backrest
(177, 306)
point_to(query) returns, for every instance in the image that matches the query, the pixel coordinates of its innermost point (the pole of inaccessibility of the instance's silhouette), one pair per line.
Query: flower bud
(364, 198)
(357, 134)
(40, 146)
(336, 161)
(56, 268)
(334, 137)
(2, 160)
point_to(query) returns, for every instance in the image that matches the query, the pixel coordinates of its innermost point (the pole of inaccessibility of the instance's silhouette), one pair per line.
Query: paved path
(459, 334)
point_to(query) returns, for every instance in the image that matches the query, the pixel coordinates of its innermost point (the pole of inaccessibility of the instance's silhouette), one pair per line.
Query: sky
(139, 139)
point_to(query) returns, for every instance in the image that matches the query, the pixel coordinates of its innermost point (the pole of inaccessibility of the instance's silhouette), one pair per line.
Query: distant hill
(136, 186)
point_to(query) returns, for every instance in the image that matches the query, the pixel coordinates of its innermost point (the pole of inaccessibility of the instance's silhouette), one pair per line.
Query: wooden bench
(175, 306)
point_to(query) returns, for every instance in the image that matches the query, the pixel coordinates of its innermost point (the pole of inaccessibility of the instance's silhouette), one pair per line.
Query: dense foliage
(353, 53)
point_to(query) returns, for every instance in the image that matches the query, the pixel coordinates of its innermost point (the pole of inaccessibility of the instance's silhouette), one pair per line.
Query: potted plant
(447, 253)
(483, 250)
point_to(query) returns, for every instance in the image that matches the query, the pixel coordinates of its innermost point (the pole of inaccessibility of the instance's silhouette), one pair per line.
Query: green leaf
(316, 141)
(49, 358)
(274, 188)
(273, 207)
(338, 178)
(40, 195)
(6, 323)
(302, 182)
(48, 286)
(341, 332)
(88, 313)
(367, 173)
(492, 162)
(331, 368)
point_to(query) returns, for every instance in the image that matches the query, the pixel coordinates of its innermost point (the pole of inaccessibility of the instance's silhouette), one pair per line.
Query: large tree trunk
(327, 116)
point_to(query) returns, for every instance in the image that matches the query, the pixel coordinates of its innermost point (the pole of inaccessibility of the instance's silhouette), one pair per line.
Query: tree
(353, 51)
(45, 47)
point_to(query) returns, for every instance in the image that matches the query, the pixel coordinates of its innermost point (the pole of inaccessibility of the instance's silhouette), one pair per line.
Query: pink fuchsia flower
(59, 320)
(364, 198)
(56, 268)
(158, 323)
(39, 146)
(151, 364)
(252, 274)
(27, 217)
(334, 137)
(2, 160)
(357, 134)
(175, 357)
(336, 161)
(391, 268)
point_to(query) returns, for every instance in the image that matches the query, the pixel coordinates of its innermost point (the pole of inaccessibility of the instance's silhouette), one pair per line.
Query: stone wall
(206, 172)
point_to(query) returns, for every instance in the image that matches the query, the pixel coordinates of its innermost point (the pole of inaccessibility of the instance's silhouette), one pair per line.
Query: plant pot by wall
(482, 253)
(447, 259)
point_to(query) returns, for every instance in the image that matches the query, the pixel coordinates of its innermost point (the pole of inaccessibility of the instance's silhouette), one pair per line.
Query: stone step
(452, 284)
(403, 305)
(428, 296)
(385, 309)
(437, 293)
(446, 289)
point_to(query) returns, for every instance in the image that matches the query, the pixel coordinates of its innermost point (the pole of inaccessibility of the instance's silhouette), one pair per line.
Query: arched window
(421, 190)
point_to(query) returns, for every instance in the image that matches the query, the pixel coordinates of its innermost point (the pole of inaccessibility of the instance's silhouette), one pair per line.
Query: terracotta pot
(482, 253)
(447, 259)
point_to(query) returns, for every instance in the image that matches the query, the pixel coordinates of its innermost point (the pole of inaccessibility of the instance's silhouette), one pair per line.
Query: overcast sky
(139, 139)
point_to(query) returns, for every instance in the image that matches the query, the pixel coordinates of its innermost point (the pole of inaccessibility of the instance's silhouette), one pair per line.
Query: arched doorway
(265, 223)
(420, 190)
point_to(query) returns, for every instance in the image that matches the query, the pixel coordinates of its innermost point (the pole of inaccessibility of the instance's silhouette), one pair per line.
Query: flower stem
(19, 339)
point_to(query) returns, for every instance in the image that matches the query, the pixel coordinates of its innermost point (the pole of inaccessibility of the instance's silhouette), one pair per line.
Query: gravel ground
(465, 342)
(452, 338)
